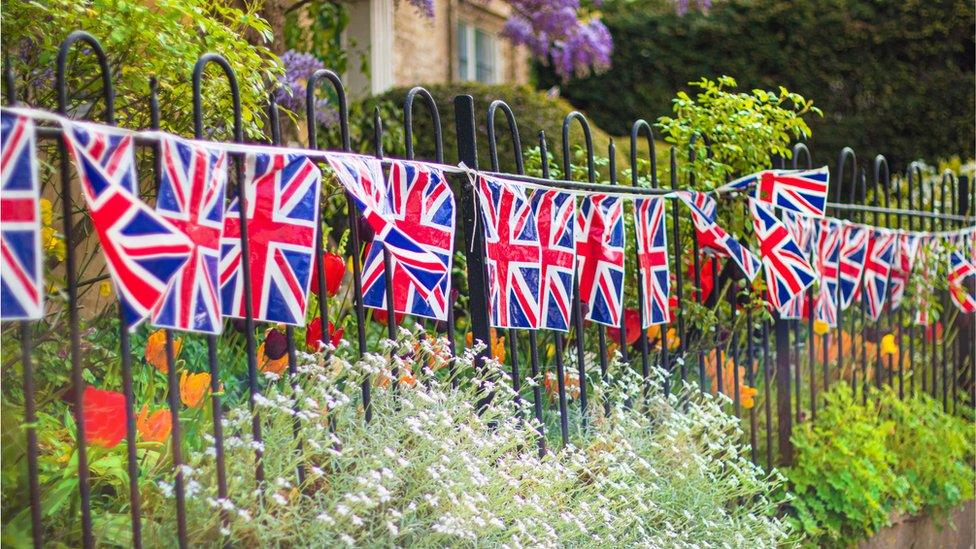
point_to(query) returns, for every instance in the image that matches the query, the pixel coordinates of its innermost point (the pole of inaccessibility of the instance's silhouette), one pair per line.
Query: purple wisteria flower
(291, 94)
(425, 7)
(682, 6)
(553, 30)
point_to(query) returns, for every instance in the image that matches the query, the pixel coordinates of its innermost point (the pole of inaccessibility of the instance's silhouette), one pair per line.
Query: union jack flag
(282, 192)
(788, 273)
(362, 177)
(556, 215)
(802, 229)
(853, 252)
(801, 191)
(600, 251)
(652, 257)
(21, 272)
(143, 251)
(960, 288)
(827, 263)
(422, 207)
(191, 197)
(513, 254)
(712, 238)
(907, 249)
(881, 251)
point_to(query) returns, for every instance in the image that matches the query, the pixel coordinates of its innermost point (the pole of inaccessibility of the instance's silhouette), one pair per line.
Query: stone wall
(929, 532)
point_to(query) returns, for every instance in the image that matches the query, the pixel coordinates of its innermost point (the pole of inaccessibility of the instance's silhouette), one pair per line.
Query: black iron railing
(792, 373)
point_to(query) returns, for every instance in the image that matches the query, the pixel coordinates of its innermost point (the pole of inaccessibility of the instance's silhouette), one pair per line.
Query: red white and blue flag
(421, 206)
(877, 268)
(21, 270)
(788, 273)
(363, 179)
(652, 259)
(513, 254)
(282, 192)
(712, 238)
(600, 252)
(828, 264)
(853, 254)
(556, 217)
(142, 250)
(801, 191)
(192, 189)
(901, 269)
(961, 273)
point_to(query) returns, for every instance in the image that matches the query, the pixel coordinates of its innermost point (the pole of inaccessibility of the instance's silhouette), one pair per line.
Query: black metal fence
(784, 360)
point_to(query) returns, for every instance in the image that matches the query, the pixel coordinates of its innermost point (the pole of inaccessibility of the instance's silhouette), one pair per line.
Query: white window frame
(467, 35)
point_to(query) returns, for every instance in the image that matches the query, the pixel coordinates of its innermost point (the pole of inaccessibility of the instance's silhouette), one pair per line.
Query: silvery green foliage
(430, 470)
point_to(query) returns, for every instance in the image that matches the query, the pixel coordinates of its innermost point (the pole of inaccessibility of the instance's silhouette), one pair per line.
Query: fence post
(474, 242)
(965, 363)
(784, 414)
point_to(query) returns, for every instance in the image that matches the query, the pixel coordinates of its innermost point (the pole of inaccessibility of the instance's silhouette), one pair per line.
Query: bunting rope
(324, 156)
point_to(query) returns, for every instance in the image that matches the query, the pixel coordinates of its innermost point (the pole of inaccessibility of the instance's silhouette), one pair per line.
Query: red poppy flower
(632, 323)
(707, 276)
(104, 417)
(933, 332)
(313, 334)
(380, 315)
(335, 269)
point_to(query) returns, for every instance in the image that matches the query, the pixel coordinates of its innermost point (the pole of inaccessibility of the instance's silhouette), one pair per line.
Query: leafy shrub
(884, 72)
(856, 464)
(432, 469)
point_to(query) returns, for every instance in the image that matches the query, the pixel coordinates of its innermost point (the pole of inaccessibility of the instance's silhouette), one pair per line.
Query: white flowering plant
(439, 464)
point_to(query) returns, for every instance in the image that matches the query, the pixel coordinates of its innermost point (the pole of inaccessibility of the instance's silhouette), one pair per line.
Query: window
(476, 55)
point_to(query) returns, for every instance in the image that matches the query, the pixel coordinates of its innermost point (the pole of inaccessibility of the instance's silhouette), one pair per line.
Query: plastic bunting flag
(21, 271)
(192, 191)
(282, 193)
(142, 250)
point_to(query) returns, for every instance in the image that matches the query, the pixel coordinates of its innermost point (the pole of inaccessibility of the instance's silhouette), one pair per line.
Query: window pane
(462, 52)
(484, 51)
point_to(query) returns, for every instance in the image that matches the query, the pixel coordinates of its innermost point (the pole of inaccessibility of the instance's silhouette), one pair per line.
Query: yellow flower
(156, 350)
(53, 244)
(105, 289)
(47, 212)
(550, 351)
(820, 327)
(888, 345)
(193, 387)
(154, 427)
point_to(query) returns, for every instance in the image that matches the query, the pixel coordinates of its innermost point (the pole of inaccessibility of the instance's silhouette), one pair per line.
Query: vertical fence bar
(798, 149)
(558, 338)
(519, 169)
(577, 298)
(30, 411)
(391, 321)
(768, 397)
(252, 370)
(678, 266)
(948, 181)
(77, 380)
(664, 360)
(352, 219)
(880, 184)
(474, 242)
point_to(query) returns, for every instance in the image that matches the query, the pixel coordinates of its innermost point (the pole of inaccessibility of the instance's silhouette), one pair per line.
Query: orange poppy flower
(266, 364)
(570, 380)
(406, 376)
(156, 350)
(193, 388)
(497, 345)
(154, 427)
(747, 394)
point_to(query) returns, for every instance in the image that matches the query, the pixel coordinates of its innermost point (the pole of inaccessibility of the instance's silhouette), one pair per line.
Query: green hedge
(891, 77)
(534, 111)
